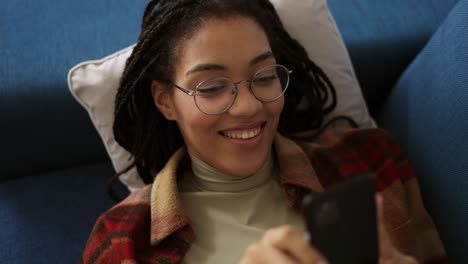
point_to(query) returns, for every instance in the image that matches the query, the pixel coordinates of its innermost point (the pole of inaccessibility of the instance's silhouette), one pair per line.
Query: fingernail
(379, 199)
(322, 262)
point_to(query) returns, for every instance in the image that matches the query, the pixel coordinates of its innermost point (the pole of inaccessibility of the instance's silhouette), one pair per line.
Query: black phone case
(342, 221)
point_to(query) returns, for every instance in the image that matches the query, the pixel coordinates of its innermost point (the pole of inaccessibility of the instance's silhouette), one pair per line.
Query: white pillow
(94, 83)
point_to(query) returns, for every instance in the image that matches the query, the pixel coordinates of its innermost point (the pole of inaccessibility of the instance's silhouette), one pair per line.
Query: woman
(209, 102)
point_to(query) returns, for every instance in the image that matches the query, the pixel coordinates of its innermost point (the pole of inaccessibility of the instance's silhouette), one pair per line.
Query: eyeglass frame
(235, 87)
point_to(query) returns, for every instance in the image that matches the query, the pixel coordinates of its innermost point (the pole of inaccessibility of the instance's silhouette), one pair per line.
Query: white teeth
(243, 134)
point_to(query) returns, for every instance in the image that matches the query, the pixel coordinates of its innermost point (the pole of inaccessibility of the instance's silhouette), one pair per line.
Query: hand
(285, 245)
(388, 253)
(282, 245)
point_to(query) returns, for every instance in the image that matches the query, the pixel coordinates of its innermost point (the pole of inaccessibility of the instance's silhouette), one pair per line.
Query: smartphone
(342, 222)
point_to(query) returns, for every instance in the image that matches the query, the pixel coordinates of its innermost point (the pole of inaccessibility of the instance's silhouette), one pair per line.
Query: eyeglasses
(215, 96)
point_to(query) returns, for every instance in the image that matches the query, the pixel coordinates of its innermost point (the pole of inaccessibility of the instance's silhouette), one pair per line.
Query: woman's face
(235, 48)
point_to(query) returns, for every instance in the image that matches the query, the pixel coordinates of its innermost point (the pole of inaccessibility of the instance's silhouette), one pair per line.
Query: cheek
(194, 124)
(185, 108)
(199, 134)
(276, 107)
(274, 110)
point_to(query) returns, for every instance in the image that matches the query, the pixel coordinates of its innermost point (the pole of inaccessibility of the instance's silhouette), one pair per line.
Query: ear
(162, 99)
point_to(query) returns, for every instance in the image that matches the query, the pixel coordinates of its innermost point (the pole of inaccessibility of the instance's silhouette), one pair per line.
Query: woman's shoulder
(135, 203)
(340, 155)
(351, 139)
(127, 222)
(136, 206)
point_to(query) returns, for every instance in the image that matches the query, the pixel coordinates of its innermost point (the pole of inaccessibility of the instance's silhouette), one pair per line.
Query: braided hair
(139, 126)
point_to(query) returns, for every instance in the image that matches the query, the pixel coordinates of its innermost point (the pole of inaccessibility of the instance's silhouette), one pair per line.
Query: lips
(245, 132)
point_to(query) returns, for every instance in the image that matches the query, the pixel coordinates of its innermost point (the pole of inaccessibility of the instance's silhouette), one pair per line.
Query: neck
(208, 179)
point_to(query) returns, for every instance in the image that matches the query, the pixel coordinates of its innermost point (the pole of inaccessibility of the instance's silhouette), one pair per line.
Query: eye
(265, 79)
(212, 88)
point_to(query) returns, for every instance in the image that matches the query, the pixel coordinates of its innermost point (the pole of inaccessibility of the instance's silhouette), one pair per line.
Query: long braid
(127, 128)
(146, 53)
(319, 86)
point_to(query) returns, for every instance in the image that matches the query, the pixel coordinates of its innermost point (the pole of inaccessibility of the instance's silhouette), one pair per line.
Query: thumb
(386, 249)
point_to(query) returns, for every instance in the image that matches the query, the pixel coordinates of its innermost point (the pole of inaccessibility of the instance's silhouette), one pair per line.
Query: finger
(263, 254)
(290, 241)
(385, 244)
(401, 259)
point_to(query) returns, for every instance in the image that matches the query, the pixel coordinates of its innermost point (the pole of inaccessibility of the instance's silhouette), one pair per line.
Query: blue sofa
(54, 168)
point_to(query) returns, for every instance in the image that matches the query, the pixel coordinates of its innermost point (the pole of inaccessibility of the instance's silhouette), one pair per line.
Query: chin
(246, 167)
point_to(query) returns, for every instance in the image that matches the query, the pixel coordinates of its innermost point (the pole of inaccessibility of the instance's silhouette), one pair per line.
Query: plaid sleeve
(122, 235)
(374, 151)
(116, 234)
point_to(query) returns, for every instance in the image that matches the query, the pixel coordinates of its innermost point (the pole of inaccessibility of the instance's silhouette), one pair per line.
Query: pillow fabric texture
(94, 83)
(428, 114)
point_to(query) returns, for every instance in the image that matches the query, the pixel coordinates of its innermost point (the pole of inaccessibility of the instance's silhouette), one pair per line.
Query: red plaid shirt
(150, 225)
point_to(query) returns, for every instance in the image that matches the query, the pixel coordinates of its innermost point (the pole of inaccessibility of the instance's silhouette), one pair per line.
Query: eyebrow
(261, 57)
(217, 67)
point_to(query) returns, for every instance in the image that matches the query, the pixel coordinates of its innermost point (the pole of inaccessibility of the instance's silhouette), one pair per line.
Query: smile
(244, 133)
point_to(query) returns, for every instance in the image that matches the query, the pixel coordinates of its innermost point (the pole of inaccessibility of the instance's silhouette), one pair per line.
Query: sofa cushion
(94, 83)
(384, 36)
(42, 126)
(47, 218)
(428, 113)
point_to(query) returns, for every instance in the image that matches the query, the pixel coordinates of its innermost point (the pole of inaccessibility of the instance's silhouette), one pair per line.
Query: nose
(245, 105)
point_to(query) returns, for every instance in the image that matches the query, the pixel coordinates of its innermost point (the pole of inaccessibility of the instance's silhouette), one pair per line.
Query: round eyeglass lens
(215, 96)
(270, 83)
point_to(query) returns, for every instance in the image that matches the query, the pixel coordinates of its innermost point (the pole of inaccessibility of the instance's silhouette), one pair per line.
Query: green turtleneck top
(229, 213)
